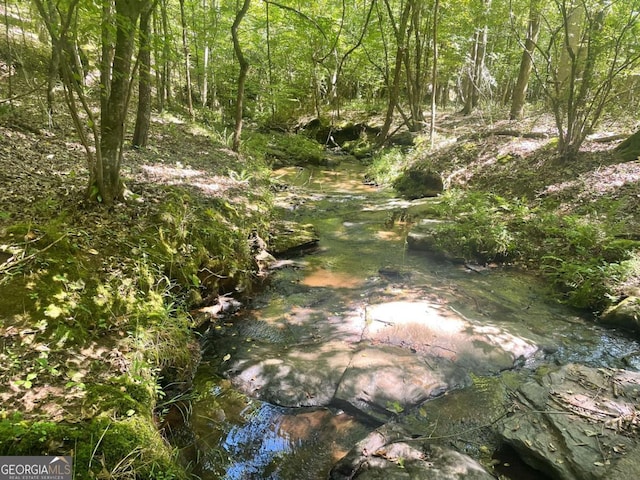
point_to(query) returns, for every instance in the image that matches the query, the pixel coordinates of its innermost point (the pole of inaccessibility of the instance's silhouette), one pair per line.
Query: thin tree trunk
(143, 120)
(48, 8)
(205, 76)
(415, 78)
(187, 60)
(9, 59)
(434, 74)
(520, 89)
(106, 57)
(272, 104)
(474, 78)
(205, 63)
(242, 76)
(469, 80)
(166, 56)
(479, 66)
(158, 62)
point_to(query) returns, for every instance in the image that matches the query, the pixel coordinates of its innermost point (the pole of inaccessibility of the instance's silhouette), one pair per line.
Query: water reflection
(234, 437)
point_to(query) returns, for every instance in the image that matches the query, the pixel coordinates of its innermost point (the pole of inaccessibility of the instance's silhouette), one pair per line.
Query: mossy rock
(625, 314)
(419, 182)
(629, 149)
(290, 237)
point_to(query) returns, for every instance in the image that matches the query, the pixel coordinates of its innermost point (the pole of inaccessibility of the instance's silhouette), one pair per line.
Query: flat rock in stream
(382, 381)
(305, 377)
(440, 332)
(288, 237)
(416, 351)
(578, 423)
(384, 455)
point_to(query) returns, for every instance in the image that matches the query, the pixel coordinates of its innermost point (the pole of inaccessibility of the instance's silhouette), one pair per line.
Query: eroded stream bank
(363, 344)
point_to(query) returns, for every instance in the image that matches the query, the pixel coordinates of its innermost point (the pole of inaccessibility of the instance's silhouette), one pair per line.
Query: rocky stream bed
(368, 359)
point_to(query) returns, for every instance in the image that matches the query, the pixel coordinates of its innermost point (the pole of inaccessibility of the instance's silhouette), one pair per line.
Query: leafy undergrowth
(512, 199)
(94, 303)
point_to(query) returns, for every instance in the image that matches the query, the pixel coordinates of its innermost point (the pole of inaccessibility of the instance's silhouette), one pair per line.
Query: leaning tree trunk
(520, 90)
(242, 76)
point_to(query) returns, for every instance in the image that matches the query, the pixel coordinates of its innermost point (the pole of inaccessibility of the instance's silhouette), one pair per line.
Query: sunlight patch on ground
(601, 181)
(213, 185)
(163, 172)
(167, 118)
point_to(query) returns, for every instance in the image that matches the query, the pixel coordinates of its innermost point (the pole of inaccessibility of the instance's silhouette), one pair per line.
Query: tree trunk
(48, 9)
(9, 59)
(434, 74)
(414, 65)
(187, 61)
(394, 88)
(165, 68)
(112, 128)
(242, 76)
(520, 90)
(143, 116)
(106, 56)
(474, 78)
(272, 104)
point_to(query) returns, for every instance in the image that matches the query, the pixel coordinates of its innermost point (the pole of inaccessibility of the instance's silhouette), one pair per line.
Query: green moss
(102, 447)
(122, 397)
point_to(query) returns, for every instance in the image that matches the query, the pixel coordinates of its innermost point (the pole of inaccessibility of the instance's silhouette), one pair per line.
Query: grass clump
(482, 227)
(386, 165)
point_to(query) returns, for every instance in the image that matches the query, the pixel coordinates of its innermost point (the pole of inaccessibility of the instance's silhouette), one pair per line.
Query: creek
(361, 331)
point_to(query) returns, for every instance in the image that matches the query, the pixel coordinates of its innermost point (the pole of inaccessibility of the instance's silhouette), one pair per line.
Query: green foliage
(483, 225)
(116, 290)
(585, 264)
(386, 165)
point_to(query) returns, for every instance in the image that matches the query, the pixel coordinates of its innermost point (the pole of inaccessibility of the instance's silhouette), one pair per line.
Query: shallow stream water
(310, 318)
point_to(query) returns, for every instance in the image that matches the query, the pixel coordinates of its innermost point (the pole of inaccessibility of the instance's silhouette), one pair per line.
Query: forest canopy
(273, 63)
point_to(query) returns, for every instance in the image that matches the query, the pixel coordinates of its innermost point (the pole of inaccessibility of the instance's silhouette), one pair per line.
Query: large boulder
(625, 314)
(578, 423)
